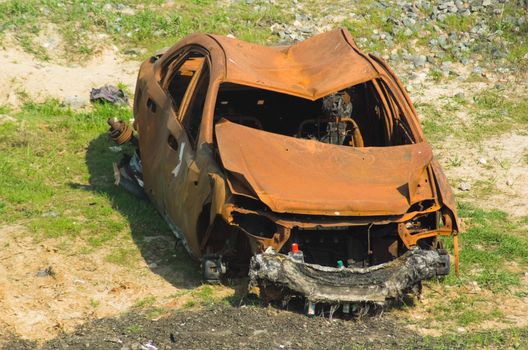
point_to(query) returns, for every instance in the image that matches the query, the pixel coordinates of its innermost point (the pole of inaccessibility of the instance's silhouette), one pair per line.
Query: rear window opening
(365, 115)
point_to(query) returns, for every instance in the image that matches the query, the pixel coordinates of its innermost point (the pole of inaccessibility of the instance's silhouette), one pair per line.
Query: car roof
(311, 69)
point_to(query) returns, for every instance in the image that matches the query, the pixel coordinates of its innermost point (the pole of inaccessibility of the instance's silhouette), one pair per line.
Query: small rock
(509, 182)
(474, 287)
(461, 330)
(464, 186)
(152, 265)
(419, 60)
(149, 346)
(4, 118)
(483, 161)
(50, 214)
(75, 101)
(135, 51)
(446, 66)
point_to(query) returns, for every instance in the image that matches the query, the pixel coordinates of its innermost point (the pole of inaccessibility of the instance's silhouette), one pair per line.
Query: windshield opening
(358, 116)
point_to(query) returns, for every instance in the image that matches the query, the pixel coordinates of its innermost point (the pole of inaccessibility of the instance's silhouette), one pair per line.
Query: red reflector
(295, 248)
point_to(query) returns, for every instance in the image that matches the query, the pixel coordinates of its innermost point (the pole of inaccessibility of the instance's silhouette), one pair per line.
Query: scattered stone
(50, 214)
(509, 182)
(464, 186)
(152, 265)
(419, 60)
(4, 118)
(461, 330)
(149, 346)
(75, 102)
(259, 332)
(482, 161)
(135, 51)
(474, 287)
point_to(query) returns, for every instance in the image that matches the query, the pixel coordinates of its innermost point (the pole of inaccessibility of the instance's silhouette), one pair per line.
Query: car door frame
(182, 174)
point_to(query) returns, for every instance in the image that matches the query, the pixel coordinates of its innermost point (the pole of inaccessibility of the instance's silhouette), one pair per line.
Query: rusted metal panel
(309, 177)
(206, 185)
(311, 69)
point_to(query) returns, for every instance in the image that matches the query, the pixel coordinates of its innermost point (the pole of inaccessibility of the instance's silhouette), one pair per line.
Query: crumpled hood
(292, 175)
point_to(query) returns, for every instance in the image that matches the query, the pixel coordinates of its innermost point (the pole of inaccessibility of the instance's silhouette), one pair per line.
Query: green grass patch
(491, 240)
(513, 338)
(56, 179)
(150, 25)
(145, 302)
(489, 113)
(134, 328)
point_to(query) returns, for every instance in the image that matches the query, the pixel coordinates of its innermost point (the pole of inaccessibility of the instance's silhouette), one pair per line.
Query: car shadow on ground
(154, 239)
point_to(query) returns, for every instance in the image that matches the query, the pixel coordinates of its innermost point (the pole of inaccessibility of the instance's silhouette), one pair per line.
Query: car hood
(292, 175)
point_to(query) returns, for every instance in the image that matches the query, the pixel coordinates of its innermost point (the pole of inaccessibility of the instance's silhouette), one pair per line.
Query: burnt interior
(365, 115)
(366, 111)
(357, 246)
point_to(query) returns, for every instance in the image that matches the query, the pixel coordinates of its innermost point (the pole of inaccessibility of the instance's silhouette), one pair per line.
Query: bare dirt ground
(80, 287)
(83, 299)
(231, 328)
(24, 76)
(498, 162)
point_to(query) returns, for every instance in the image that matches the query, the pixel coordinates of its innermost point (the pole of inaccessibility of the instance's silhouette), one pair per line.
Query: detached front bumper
(376, 284)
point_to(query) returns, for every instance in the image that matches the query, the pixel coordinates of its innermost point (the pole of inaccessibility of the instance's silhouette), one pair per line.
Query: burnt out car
(304, 165)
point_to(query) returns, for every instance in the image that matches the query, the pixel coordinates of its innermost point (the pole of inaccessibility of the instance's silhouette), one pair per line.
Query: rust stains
(246, 149)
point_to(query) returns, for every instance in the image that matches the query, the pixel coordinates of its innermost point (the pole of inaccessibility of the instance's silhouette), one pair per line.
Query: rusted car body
(241, 154)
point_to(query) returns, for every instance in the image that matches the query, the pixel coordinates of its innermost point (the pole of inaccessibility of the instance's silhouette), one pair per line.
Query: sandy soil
(21, 74)
(500, 163)
(82, 287)
(39, 308)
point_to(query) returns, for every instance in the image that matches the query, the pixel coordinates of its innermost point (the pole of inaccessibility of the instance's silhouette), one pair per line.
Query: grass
(145, 302)
(133, 24)
(56, 168)
(56, 180)
(142, 27)
(491, 241)
(513, 338)
(134, 328)
(488, 113)
(494, 257)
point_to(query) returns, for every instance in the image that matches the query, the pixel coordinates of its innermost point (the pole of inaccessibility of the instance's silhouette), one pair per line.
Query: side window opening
(193, 115)
(180, 77)
(357, 116)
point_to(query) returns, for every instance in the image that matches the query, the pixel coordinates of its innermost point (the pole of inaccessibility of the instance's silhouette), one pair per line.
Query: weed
(148, 301)
(134, 328)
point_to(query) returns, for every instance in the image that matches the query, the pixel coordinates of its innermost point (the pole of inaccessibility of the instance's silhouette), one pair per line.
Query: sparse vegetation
(56, 165)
